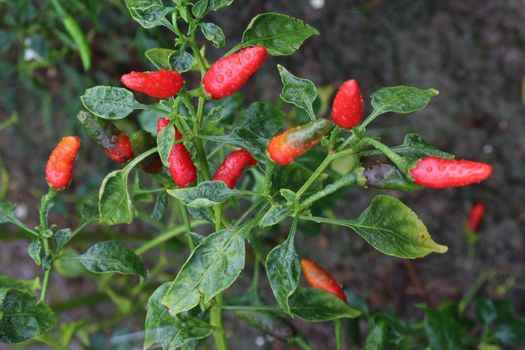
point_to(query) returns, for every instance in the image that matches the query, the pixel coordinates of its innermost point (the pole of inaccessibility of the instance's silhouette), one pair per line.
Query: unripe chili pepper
(477, 212)
(141, 141)
(115, 143)
(319, 278)
(59, 168)
(442, 173)
(387, 176)
(292, 143)
(229, 74)
(158, 84)
(347, 109)
(270, 323)
(182, 169)
(233, 166)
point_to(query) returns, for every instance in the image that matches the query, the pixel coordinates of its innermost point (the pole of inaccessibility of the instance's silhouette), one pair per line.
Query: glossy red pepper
(284, 148)
(230, 73)
(59, 168)
(115, 143)
(442, 173)
(158, 84)
(233, 166)
(347, 109)
(182, 169)
(477, 212)
(318, 277)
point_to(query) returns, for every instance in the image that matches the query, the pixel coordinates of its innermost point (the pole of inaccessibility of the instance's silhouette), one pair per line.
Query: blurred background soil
(472, 51)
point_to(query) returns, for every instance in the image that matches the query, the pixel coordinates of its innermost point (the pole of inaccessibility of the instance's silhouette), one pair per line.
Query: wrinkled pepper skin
(59, 168)
(319, 278)
(230, 73)
(115, 143)
(159, 84)
(270, 323)
(233, 166)
(182, 169)
(347, 109)
(141, 141)
(284, 148)
(477, 212)
(443, 173)
(388, 177)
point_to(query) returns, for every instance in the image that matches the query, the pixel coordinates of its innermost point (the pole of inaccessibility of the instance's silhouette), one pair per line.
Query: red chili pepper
(347, 109)
(182, 169)
(319, 278)
(233, 166)
(442, 173)
(229, 74)
(59, 168)
(115, 143)
(284, 148)
(476, 216)
(158, 84)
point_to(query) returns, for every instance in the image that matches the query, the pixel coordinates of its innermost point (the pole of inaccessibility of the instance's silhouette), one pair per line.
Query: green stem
(399, 161)
(251, 307)
(338, 325)
(45, 204)
(216, 321)
(469, 296)
(48, 341)
(187, 225)
(369, 119)
(302, 343)
(166, 237)
(315, 175)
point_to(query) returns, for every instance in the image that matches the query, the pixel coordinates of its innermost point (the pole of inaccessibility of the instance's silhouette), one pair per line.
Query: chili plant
(206, 140)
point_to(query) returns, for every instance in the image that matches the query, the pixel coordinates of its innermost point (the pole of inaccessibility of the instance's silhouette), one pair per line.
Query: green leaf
(148, 13)
(218, 4)
(274, 215)
(160, 57)
(22, 317)
(377, 337)
(28, 286)
(213, 33)
(283, 269)
(148, 120)
(68, 264)
(114, 203)
(401, 99)
(280, 34)
(165, 140)
(392, 228)
(297, 91)
(199, 9)
(415, 147)
(109, 102)
(261, 118)
(512, 332)
(160, 206)
(113, 256)
(486, 311)
(443, 331)
(181, 61)
(212, 267)
(89, 210)
(6, 212)
(316, 305)
(205, 194)
(62, 237)
(172, 332)
(34, 250)
(215, 115)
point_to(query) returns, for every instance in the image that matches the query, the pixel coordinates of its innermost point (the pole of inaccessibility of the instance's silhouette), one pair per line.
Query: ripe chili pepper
(347, 109)
(442, 173)
(233, 166)
(387, 176)
(115, 143)
(229, 74)
(158, 84)
(284, 148)
(477, 212)
(182, 169)
(141, 141)
(59, 168)
(319, 278)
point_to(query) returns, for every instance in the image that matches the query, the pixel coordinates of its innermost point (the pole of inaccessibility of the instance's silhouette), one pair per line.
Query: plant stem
(251, 307)
(45, 203)
(216, 321)
(302, 343)
(315, 175)
(338, 325)
(187, 225)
